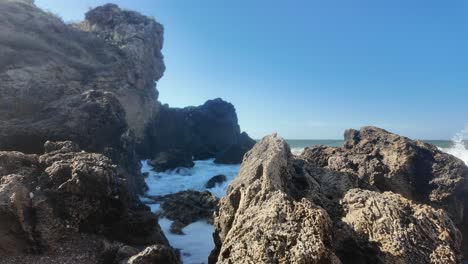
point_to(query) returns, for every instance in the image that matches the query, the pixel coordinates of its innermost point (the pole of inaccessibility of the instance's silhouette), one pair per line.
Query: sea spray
(458, 147)
(197, 242)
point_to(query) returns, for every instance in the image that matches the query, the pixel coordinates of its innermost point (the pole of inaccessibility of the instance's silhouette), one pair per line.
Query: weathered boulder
(201, 132)
(188, 206)
(393, 229)
(215, 180)
(259, 221)
(284, 209)
(389, 162)
(46, 199)
(171, 159)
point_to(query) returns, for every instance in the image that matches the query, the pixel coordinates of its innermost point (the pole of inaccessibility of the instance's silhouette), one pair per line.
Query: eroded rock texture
(286, 209)
(49, 198)
(389, 162)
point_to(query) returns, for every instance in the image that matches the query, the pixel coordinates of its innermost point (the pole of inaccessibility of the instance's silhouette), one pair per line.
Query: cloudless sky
(310, 69)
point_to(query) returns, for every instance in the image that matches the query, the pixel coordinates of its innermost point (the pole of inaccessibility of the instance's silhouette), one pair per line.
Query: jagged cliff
(94, 83)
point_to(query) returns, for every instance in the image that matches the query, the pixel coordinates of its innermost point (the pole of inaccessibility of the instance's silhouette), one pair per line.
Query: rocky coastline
(79, 111)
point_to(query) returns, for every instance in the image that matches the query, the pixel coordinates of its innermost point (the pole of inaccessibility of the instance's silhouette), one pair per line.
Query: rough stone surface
(189, 206)
(89, 83)
(400, 231)
(389, 162)
(285, 209)
(45, 199)
(260, 222)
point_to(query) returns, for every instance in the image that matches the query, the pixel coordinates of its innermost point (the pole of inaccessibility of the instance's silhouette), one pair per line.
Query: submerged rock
(215, 180)
(170, 160)
(187, 207)
(285, 209)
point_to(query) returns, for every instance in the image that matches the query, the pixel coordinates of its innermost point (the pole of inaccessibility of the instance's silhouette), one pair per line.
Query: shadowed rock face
(286, 209)
(207, 131)
(47, 198)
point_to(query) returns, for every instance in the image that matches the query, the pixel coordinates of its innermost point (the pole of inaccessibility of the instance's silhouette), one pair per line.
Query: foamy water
(459, 149)
(197, 242)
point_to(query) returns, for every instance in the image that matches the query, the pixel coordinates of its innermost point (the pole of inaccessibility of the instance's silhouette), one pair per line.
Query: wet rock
(170, 160)
(189, 206)
(176, 228)
(155, 254)
(215, 180)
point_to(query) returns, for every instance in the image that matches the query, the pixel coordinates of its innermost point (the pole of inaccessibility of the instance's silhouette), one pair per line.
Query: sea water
(197, 243)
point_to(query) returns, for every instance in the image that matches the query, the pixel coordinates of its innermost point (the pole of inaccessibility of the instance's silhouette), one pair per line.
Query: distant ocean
(457, 146)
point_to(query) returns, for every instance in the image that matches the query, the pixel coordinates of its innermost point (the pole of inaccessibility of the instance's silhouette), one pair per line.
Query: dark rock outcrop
(189, 206)
(235, 153)
(170, 160)
(285, 209)
(46, 199)
(215, 180)
(201, 132)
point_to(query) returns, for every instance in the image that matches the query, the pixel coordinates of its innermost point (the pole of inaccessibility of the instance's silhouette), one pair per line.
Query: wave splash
(459, 146)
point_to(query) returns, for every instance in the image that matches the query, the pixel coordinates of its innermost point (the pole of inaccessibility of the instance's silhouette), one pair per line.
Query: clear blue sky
(310, 69)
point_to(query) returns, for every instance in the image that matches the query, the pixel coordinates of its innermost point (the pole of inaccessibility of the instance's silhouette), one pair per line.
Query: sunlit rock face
(90, 83)
(285, 209)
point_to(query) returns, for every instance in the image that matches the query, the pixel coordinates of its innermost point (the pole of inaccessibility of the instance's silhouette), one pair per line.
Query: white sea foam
(197, 243)
(459, 149)
(173, 181)
(297, 151)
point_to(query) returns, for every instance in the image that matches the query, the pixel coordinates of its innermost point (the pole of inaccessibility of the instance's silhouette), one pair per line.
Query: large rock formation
(286, 209)
(47, 199)
(203, 132)
(389, 162)
(89, 83)
(94, 83)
